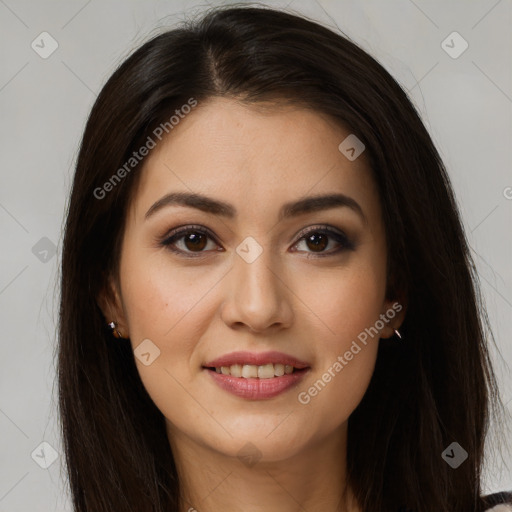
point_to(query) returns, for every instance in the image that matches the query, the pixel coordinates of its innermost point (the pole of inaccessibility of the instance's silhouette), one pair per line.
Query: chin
(251, 450)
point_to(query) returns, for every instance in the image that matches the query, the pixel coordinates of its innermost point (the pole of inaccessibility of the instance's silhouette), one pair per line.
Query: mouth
(256, 376)
(252, 371)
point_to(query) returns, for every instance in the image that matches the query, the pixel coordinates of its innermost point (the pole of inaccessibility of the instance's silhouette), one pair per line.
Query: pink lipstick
(256, 376)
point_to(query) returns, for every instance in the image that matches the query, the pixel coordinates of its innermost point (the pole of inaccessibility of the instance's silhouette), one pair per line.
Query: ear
(393, 314)
(109, 301)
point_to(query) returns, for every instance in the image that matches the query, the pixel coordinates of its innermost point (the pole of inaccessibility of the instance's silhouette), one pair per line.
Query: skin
(197, 309)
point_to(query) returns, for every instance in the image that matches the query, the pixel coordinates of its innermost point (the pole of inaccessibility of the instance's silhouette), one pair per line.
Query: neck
(312, 480)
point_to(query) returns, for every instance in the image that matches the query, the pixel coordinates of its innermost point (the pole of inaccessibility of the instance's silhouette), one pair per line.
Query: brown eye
(188, 240)
(317, 242)
(318, 239)
(195, 241)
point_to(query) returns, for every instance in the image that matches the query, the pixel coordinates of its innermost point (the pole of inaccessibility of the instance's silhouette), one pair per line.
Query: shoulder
(502, 507)
(499, 502)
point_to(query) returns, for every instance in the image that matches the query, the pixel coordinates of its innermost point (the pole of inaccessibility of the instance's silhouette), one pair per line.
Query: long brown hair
(434, 388)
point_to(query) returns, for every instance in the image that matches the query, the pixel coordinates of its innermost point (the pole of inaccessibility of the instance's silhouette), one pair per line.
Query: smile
(248, 371)
(256, 375)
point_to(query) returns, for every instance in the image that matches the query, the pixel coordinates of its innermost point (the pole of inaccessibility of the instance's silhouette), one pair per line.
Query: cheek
(166, 305)
(343, 373)
(346, 302)
(354, 306)
(159, 298)
(348, 307)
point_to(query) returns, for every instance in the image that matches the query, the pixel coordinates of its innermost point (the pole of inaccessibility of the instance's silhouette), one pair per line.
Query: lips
(256, 376)
(256, 359)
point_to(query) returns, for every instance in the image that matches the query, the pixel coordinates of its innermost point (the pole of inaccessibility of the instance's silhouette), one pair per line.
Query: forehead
(255, 156)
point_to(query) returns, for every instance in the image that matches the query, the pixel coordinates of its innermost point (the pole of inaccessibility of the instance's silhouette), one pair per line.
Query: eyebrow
(292, 209)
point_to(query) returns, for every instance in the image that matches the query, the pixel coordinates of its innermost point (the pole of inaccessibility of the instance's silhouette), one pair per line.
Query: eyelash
(177, 234)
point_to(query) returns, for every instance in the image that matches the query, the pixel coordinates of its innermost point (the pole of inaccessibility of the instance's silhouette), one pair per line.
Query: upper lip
(257, 359)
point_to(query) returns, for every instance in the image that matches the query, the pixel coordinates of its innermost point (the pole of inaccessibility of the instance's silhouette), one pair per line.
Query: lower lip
(255, 388)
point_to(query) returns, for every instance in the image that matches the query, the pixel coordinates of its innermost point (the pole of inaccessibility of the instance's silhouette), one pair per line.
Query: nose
(257, 295)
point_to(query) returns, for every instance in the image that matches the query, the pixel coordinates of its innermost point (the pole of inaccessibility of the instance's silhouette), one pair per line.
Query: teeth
(266, 371)
(236, 370)
(279, 370)
(251, 371)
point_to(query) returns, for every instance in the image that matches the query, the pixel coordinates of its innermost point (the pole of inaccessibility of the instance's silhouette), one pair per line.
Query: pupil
(319, 244)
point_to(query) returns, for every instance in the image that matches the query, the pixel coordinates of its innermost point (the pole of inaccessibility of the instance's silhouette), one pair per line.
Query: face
(286, 282)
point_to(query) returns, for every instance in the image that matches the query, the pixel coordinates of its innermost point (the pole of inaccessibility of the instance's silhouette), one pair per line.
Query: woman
(268, 300)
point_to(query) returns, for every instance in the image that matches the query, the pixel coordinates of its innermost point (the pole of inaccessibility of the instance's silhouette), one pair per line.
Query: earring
(117, 333)
(397, 333)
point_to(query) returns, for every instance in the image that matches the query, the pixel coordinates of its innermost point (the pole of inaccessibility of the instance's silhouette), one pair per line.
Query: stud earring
(115, 331)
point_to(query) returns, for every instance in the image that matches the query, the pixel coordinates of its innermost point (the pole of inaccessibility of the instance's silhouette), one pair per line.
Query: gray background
(465, 102)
